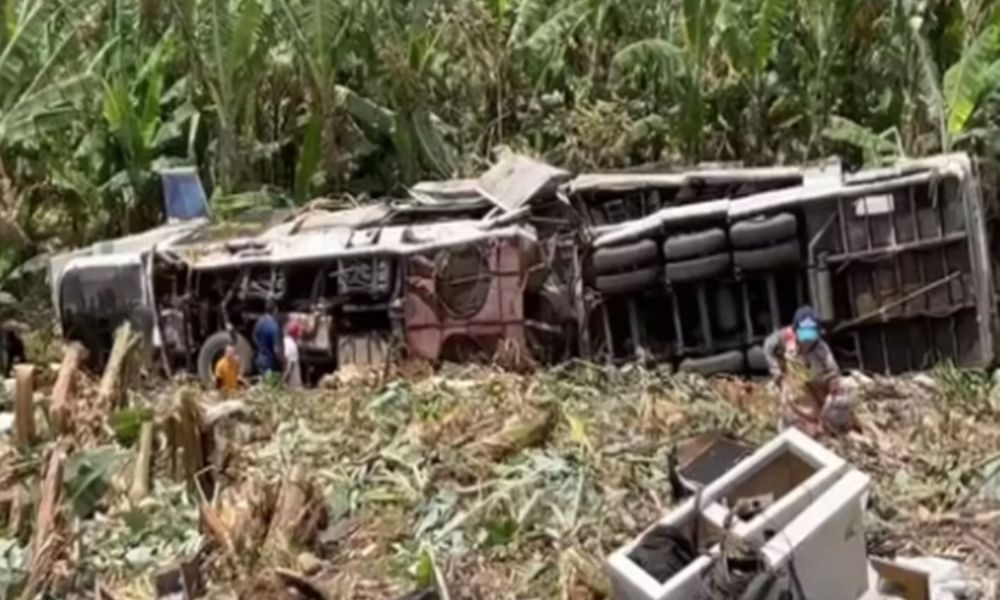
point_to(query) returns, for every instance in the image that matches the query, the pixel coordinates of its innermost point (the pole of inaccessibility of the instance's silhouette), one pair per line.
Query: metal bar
(894, 236)
(937, 203)
(633, 324)
(772, 300)
(678, 326)
(851, 306)
(898, 272)
(856, 337)
(812, 265)
(606, 307)
(910, 361)
(931, 347)
(953, 321)
(811, 248)
(845, 242)
(582, 307)
(868, 226)
(885, 349)
(917, 238)
(768, 202)
(913, 214)
(985, 293)
(885, 253)
(882, 310)
(747, 317)
(876, 296)
(706, 324)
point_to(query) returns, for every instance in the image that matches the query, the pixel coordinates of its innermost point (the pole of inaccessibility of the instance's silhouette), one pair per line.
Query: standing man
(293, 365)
(267, 343)
(813, 394)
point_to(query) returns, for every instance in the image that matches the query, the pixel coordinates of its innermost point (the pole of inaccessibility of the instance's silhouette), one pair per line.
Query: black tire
(727, 362)
(763, 259)
(756, 360)
(214, 347)
(616, 258)
(697, 269)
(693, 245)
(755, 233)
(623, 283)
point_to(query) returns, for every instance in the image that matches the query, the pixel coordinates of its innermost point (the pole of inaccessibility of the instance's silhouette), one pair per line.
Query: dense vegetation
(282, 100)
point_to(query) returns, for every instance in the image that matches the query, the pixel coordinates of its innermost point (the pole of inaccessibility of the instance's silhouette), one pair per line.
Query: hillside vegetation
(277, 101)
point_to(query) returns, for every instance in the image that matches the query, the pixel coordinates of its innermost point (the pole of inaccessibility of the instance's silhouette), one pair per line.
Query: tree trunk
(110, 393)
(143, 459)
(62, 407)
(24, 406)
(187, 437)
(46, 543)
(297, 516)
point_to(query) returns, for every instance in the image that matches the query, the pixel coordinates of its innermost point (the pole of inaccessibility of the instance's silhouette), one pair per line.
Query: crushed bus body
(693, 269)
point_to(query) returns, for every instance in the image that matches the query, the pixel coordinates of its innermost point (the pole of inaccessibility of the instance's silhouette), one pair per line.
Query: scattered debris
(298, 515)
(518, 433)
(514, 484)
(180, 581)
(929, 578)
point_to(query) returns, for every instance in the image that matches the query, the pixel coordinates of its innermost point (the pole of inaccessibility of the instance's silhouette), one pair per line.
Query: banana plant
(227, 45)
(407, 57)
(750, 35)
(677, 68)
(970, 81)
(317, 30)
(42, 86)
(954, 100)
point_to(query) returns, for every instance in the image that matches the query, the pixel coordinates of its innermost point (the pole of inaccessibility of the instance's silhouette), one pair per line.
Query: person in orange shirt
(228, 369)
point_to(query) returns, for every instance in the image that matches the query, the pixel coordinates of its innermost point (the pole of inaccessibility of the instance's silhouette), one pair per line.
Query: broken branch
(46, 543)
(111, 391)
(143, 460)
(61, 409)
(24, 406)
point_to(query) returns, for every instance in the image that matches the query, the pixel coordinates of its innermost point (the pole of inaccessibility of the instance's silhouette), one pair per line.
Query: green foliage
(423, 569)
(965, 388)
(127, 423)
(975, 75)
(13, 565)
(163, 529)
(322, 97)
(88, 476)
(877, 149)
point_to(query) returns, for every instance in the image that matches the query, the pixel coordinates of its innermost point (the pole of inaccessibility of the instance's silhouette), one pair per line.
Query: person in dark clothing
(267, 340)
(13, 346)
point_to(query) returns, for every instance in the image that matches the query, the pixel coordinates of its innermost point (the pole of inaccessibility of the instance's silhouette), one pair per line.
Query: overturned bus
(692, 269)
(896, 262)
(445, 275)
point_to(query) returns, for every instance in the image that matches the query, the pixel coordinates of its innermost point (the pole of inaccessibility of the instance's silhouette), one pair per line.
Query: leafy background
(284, 100)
